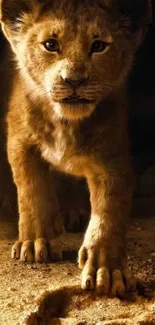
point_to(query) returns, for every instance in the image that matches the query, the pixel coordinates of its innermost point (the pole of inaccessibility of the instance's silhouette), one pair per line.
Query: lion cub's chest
(65, 153)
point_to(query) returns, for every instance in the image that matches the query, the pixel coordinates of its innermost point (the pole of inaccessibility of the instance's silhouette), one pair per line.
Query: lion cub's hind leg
(74, 203)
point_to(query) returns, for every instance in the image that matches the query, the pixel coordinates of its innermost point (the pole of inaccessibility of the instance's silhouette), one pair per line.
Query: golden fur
(67, 109)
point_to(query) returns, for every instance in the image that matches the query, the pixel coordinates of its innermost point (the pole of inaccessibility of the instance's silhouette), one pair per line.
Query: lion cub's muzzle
(75, 84)
(75, 91)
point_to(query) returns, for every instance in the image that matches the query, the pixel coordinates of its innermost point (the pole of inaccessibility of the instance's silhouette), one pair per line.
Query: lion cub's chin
(74, 111)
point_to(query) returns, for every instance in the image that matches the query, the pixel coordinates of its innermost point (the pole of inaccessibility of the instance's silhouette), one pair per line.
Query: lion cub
(67, 111)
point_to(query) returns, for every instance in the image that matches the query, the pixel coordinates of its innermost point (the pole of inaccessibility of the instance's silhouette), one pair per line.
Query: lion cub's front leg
(39, 220)
(102, 256)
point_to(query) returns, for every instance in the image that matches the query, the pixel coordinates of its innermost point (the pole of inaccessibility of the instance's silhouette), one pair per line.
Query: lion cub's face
(71, 54)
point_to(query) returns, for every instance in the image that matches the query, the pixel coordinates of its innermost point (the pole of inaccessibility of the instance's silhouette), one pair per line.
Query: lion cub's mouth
(75, 100)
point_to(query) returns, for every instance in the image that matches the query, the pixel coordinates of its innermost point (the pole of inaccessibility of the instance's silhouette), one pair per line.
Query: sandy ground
(22, 285)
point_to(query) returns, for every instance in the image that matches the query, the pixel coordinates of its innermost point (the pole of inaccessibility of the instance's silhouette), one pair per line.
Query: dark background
(142, 104)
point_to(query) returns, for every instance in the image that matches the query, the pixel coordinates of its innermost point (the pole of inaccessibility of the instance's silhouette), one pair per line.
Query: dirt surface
(22, 285)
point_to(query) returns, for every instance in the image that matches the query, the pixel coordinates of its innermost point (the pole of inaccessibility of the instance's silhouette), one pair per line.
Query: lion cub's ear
(139, 12)
(16, 16)
(10, 10)
(132, 15)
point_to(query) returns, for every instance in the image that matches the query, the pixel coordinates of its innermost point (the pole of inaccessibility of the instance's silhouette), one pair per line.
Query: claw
(30, 252)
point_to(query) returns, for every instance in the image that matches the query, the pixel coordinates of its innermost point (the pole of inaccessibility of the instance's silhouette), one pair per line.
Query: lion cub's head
(73, 53)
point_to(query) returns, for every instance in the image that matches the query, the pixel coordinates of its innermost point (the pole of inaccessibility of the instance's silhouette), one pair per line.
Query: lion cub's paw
(103, 266)
(38, 251)
(101, 278)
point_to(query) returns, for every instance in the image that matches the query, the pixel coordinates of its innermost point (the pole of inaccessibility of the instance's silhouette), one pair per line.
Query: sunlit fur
(85, 140)
(75, 30)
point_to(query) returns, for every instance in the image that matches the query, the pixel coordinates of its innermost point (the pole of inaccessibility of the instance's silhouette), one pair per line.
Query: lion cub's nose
(73, 82)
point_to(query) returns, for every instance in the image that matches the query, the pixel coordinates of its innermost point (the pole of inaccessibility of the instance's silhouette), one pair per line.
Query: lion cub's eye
(98, 46)
(51, 45)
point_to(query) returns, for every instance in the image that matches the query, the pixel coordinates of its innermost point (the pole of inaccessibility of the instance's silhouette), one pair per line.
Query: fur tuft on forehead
(138, 10)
